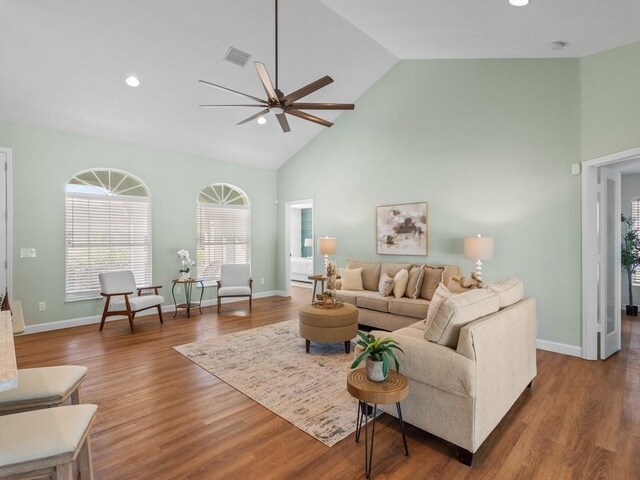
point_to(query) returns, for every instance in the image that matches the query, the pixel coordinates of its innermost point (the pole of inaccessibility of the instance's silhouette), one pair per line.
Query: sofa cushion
(408, 307)
(509, 291)
(392, 269)
(432, 277)
(385, 287)
(373, 301)
(449, 271)
(457, 311)
(370, 273)
(438, 299)
(351, 279)
(348, 296)
(416, 275)
(400, 283)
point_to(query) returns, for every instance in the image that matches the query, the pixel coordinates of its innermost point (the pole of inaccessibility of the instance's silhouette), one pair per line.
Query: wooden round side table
(393, 390)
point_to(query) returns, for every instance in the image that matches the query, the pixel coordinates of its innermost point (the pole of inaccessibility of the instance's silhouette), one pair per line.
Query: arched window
(107, 227)
(224, 229)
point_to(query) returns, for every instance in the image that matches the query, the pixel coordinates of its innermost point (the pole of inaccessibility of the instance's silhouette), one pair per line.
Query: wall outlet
(42, 306)
(262, 281)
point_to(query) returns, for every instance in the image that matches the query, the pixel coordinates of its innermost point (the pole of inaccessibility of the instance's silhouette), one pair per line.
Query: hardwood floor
(162, 417)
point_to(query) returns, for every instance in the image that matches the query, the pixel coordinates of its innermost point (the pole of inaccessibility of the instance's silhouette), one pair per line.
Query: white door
(610, 268)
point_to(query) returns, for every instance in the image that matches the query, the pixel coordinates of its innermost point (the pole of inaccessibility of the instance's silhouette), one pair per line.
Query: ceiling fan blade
(253, 117)
(311, 118)
(284, 123)
(239, 105)
(308, 89)
(322, 106)
(266, 82)
(233, 91)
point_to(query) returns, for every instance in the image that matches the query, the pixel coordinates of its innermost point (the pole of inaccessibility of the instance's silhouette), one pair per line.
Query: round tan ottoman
(328, 324)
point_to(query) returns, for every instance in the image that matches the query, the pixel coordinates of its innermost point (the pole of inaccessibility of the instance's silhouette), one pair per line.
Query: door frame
(287, 239)
(9, 175)
(590, 327)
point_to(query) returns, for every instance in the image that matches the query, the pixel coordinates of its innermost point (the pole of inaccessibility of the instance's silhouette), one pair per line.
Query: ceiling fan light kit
(278, 103)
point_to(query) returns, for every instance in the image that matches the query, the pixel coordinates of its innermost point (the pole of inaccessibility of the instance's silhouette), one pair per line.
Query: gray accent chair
(235, 281)
(116, 289)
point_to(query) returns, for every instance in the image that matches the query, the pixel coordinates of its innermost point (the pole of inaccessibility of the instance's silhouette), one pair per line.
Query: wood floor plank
(163, 417)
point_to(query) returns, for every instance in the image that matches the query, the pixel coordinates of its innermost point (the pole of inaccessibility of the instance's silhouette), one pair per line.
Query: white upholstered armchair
(235, 281)
(118, 291)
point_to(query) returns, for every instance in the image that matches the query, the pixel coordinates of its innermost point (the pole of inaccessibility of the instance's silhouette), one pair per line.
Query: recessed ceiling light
(132, 81)
(262, 120)
(559, 45)
(519, 3)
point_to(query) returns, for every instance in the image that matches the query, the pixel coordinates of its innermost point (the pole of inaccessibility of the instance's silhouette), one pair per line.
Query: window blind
(105, 233)
(223, 236)
(635, 214)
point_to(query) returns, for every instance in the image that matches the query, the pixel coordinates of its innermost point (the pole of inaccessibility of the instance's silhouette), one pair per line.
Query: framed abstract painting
(402, 229)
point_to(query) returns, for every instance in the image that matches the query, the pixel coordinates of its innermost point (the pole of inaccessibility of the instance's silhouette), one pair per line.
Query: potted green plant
(630, 258)
(378, 353)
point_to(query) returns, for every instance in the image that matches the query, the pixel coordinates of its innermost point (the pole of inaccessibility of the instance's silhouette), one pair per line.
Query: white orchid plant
(185, 258)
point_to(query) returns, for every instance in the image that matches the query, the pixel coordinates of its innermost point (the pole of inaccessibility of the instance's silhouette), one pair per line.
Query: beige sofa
(387, 313)
(461, 394)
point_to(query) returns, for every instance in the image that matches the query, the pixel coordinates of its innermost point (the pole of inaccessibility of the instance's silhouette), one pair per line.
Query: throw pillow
(351, 279)
(430, 282)
(438, 299)
(462, 284)
(400, 283)
(416, 276)
(457, 311)
(509, 291)
(385, 287)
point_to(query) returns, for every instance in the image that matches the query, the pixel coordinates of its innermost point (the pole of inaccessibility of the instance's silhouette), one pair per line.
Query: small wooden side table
(188, 285)
(393, 390)
(316, 279)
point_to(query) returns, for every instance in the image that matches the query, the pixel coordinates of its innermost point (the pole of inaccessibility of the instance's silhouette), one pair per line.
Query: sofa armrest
(504, 348)
(433, 364)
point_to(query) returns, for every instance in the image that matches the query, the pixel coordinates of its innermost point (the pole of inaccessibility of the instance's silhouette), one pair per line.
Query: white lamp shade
(327, 246)
(478, 248)
(308, 242)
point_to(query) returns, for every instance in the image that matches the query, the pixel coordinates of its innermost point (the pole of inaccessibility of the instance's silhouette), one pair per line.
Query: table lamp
(326, 247)
(478, 248)
(308, 242)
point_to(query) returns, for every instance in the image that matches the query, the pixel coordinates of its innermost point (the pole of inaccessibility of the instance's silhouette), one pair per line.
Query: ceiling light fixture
(262, 120)
(132, 81)
(519, 3)
(559, 45)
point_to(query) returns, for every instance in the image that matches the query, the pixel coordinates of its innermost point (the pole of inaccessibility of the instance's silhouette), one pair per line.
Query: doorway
(602, 293)
(6, 217)
(299, 244)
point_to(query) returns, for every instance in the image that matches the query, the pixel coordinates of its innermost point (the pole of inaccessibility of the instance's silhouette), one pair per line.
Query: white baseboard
(77, 322)
(559, 348)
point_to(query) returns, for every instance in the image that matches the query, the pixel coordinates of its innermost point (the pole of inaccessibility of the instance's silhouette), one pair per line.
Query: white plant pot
(374, 371)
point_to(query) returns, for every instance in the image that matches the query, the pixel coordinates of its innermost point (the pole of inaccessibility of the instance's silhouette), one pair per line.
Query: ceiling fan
(278, 102)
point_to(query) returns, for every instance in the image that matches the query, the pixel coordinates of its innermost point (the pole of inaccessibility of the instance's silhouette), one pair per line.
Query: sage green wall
(488, 143)
(610, 101)
(43, 162)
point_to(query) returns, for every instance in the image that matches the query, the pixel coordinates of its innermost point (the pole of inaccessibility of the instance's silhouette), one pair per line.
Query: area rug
(269, 364)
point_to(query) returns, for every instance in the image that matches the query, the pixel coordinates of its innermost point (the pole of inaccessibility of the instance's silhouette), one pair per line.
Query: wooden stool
(47, 442)
(43, 388)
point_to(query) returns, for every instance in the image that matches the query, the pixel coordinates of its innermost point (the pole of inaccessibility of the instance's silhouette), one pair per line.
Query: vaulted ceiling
(63, 62)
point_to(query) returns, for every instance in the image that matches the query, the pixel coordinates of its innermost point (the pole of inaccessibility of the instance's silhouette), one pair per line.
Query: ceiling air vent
(237, 57)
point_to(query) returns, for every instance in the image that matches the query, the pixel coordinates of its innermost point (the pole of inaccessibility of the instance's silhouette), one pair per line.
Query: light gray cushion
(137, 303)
(459, 310)
(373, 301)
(438, 299)
(416, 277)
(233, 291)
(117, 282)
(235, 275)
(509, 291)
(370, 273)
(385, 287)
(408, 307)
(44, 383)
(41, 434)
